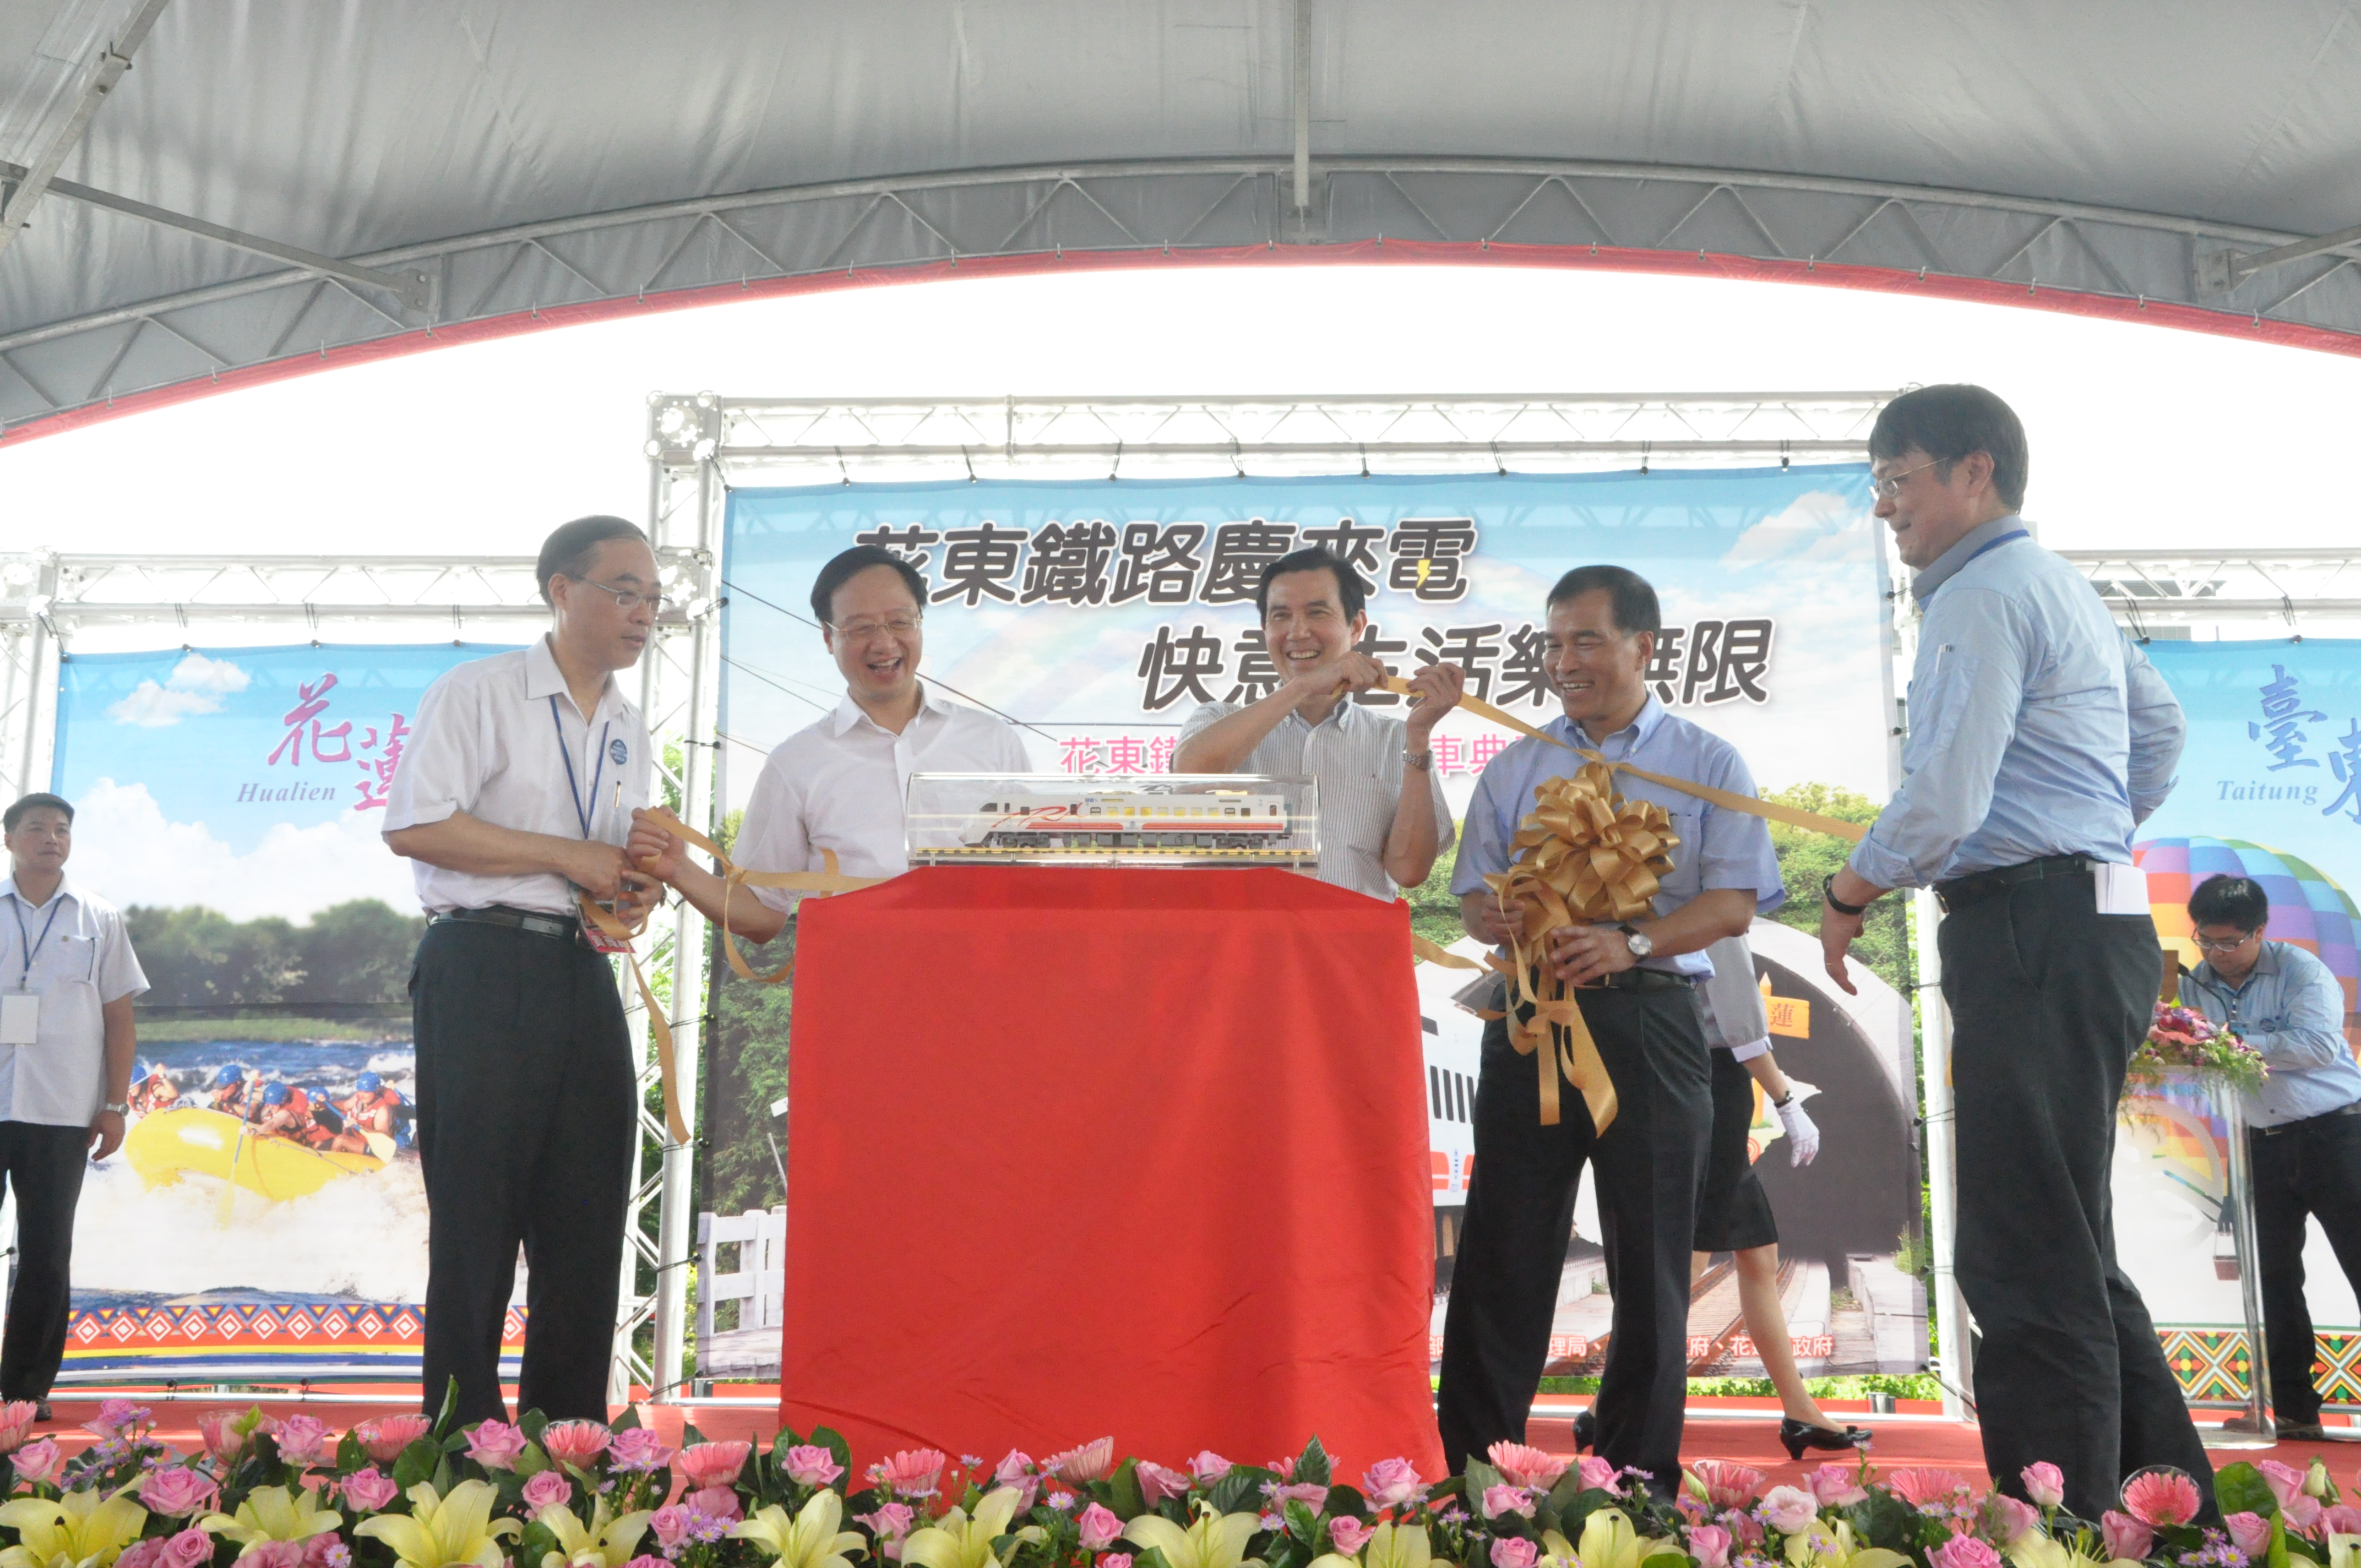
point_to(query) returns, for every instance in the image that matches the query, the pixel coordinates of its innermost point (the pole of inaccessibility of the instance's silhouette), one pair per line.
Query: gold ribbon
(616, 930)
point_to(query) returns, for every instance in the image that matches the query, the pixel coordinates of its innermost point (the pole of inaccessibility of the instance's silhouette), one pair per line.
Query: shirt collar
(66, 889)
(1947, 564)
(1341, 716)
(850, 713)
(543, 678)
(1641, 728)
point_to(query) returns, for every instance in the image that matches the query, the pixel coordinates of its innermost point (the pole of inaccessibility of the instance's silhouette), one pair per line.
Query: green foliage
(1434, 912)
(355, 954)
(1805, 858)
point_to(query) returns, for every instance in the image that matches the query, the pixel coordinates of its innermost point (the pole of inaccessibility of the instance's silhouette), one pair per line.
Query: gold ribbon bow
(616, 930)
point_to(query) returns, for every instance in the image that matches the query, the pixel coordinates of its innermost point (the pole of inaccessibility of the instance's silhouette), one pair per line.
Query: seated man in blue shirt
(2304, 1123)
(1637, 1000)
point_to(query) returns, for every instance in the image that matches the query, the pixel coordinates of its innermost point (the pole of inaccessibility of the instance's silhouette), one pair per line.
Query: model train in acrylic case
(1163, 819)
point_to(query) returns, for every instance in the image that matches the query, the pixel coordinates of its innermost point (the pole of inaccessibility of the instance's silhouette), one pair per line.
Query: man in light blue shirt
(1637, 1000)
(2305, 1122)
(2036, 743)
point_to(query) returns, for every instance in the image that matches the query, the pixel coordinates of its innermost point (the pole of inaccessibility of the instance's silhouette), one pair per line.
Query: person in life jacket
(232, 1095)
(374, 1106)
(155, 1092)
(285, 1111)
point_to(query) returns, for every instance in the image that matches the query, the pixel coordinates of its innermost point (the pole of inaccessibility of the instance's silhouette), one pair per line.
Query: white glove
(1802, 1132)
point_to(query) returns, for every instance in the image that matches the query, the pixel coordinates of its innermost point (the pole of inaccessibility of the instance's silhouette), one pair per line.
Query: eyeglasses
(1891, 486)
(864, 630)
(627, 599)
(2206, 943)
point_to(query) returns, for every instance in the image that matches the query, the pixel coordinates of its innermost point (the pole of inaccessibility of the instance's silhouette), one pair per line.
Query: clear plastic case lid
(1151, 819)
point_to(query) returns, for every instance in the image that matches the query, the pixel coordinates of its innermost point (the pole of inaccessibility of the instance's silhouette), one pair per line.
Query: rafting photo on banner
(2269, 788)
(265, 1218)
(1101, 613)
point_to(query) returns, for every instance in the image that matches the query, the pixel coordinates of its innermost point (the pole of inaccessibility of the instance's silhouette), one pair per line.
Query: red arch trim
(1418, 253)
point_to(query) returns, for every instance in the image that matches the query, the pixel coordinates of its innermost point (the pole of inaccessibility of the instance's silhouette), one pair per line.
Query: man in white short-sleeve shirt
(67, 978)
(840, 784)
(1375, 835)
(514, 798)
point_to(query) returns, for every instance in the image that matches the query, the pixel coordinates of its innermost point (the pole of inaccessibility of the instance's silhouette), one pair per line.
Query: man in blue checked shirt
(1638, 1002)
(2305, 1123)
(2039, 739)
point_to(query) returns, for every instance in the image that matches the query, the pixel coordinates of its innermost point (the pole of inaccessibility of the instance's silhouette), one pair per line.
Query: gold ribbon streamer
(616, 930)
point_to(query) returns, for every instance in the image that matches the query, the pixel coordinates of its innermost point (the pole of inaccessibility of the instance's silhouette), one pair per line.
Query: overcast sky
(2139, 435)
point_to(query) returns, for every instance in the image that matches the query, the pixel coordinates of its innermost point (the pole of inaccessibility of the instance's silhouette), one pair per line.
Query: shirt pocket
(67, 961)
(1686, 877)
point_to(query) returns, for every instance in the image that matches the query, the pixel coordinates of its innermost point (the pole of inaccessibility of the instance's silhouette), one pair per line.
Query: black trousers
(1521, 1210)
(2048, 1000)
(525, 1123)
(2309, 1168)
(45, 1165)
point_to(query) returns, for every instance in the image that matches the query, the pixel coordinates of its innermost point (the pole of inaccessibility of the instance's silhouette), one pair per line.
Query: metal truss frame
(158, 600)
(2181, 587)
(705, 247)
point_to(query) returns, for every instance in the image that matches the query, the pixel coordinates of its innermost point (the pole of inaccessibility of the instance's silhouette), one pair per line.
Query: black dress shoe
(41, 1411)
(1586, 1431)
(1796, 1436)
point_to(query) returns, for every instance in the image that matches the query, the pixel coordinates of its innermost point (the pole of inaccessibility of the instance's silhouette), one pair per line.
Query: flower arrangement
(405, 1492)
(2180, 1039)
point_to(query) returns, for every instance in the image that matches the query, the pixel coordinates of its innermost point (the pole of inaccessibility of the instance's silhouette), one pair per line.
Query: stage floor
(1746, 1431)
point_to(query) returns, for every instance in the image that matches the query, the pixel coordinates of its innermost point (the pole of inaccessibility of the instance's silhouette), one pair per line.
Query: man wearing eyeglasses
(2036, 746)
(839, 784)
(2305, 1123)
(514, 798)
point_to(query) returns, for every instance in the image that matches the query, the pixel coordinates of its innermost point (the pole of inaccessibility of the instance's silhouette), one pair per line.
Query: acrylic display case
(1151, 819)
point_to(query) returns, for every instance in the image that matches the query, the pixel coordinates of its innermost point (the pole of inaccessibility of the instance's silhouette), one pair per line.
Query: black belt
(1960, 892)
(1645, 979)
(559, 927)
(2351, 1110)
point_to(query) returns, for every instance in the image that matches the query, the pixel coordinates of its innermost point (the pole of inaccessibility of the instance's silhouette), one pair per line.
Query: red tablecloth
(1074, 1153)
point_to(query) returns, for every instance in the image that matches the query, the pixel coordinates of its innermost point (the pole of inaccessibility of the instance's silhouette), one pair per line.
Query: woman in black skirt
(1733, 1211)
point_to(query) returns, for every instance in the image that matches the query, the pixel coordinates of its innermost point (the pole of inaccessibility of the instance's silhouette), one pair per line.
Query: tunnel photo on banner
(265, 1218)
(1098, 615)
(2269, 788)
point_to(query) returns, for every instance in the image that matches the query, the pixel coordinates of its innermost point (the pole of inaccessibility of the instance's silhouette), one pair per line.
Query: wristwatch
(119, 1109)
(1828, 892)
(1637, 941)
(1423, 761)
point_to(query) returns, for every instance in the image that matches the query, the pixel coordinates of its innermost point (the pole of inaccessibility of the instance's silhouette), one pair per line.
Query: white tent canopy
(270, 185)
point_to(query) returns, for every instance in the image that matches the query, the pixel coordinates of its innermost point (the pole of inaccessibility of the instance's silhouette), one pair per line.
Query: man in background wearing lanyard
(2036, 744)
(66, 1047)
(514, 798)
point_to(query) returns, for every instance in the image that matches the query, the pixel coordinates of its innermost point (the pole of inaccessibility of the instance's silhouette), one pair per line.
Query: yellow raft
(171, 1143)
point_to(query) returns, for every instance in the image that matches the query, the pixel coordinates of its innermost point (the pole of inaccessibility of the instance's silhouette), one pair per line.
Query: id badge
(598, 941)
(20, 1019)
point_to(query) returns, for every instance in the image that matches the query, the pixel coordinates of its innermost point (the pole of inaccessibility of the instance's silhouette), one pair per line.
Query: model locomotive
(1211, 824)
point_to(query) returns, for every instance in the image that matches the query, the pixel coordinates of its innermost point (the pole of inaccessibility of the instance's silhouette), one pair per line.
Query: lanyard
(572, 782)
(1989, 545)
(31, 944)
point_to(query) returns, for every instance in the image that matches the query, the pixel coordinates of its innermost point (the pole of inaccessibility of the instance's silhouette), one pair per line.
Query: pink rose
(1208, 1467)
(704, 1465)
(17, 1424)
(39, 1462)
(2008, 1520)
(1526, 1466)
(2286, 1481)
(141, 1553)
(669, 1525)
(1709, 1544)
(2124, 1536)
(1348, 1535)
(1922, 1484)
(544, 1488)
(2302, 1514)
(117, 1416)
(2250, 1533)
(578, 1443)
(186, 1549)
(305, 1440)
(1597, 1475)
(1311, 1493)
(637, 1450)
(327, 1550)
(1964, 1552)
(1728, 1485)
(2045, 1484)
(384, 1437)
(1115, 1560)
(1157, 1483)
(648, 1560)
(1391, 1483)
(273, 1554)
(912, 1473)
(175, 1491)
(1743, 1527)
(1514, 1552)
(495, 1444)
(368, 1489)
(808, 1465)
(1097, 1528)
(1789, 1509)
(889, 1524)
(1836, 1486)
(714, 1503)
(1506, 1499)
(1089, 1461)
(2342, 1519)
(2162, 1494)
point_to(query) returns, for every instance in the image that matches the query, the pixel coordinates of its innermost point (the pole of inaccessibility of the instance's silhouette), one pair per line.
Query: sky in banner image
(2269, 787)
(229, 801)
